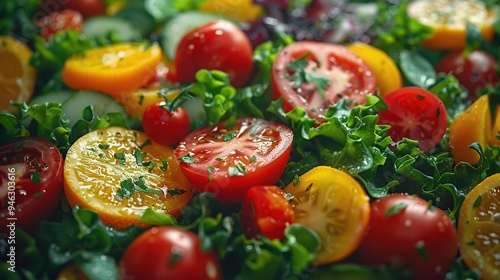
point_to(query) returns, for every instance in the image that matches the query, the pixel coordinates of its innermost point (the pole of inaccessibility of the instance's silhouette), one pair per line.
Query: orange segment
(112, 69)
(98, 163)
(334, 205)
(473, 125)
(496, 128)
(449, 19)
(479, 228)
(72, 272)
(17, 77)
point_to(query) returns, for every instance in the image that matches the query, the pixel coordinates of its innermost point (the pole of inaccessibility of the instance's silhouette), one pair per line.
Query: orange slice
(473, 125)
(17, 77)
(479, 228)
(98, 164)
(449, 19)
(112, 69)
(334, 205)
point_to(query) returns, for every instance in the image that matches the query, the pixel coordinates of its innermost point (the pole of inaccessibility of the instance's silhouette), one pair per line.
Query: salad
(240, 139)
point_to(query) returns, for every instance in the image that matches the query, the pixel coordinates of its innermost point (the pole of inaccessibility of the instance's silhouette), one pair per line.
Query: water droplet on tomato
(219, 32)
(408, 223)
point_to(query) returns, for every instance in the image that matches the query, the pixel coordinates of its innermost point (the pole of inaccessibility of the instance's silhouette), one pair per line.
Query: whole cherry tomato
(88, 8)
(218, 45)
(60, 21)
(164, 126)
(163, 253)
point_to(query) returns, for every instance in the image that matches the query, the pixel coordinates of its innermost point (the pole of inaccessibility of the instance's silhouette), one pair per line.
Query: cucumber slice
(102, 104)
(179, 25)
(100, 26)
(57, 96)
(196, 112)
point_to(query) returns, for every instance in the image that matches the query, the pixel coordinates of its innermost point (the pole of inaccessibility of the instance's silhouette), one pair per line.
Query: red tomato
(228, 160)
(163, 253)
(59, 21)
(347, 74)
(473, 70)
(163, 126)
(31, 176)
(87, 8)
(267, 211)
(407, 231)
(417, 114)
(218, 45)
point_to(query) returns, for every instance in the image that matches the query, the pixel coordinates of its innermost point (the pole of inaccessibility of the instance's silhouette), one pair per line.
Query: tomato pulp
(31, 174)
(346, 75)
(228, 160)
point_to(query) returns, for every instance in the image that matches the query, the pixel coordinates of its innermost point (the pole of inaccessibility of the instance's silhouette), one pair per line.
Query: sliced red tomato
(407, 231)
(168, 253)
(267, 211)
(228, 160)
(332, 72)
(59, 21)
(417, 114)
(88, 8)
(31, 174)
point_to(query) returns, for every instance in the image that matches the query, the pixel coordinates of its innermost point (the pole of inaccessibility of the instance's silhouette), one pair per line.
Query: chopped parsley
(239, 169)
(421, 251)
(139, 159)
(147, 142)
(35, 177)
(253, 159)
(229, 136)
(175, 191)
(309, 187)
(164, 164)
(188, 159)
(38, 194)
(210, 169)
(130, 186)
(301, 76)
(18, 145)
(478, 201)
(103, 146)
(296, 180)
(120, 157)
(395, 209)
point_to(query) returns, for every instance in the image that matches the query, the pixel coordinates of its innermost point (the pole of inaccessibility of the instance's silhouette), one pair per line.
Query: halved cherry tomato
(168, 253)
(417, 114)
(346, 73)
(228, 160)
(60, 21)
(406, 230)
(165, 127)
(473, 69)
(218, 45)
(267, 211)
(31, 182)
(334, 205)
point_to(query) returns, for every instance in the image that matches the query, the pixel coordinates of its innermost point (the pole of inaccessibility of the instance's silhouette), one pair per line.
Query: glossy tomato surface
(87, 8)
(31, 174)
(60, 21)
(408, 231)
(473, 70)
(218, 45)
(347, 74)
(228, 160)
(163, 253)
(267, 211)
(165, 127)
(417, 114)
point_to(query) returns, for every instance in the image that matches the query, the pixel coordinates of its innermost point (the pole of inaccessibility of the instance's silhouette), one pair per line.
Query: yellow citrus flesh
(71, 272)
(449, 19)
(94, 171)
(17, 77)
(241, 10)
(479, 228)
(335, 206)
(114, 69)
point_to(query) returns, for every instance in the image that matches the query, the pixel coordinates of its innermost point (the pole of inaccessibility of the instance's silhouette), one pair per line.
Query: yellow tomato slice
(385, 70)
(479, 228)
(98, 164)
(137, 101)
(17, 77)
(112, 69)
(449, 19)
(473, 125)
(241, 10)
(333, 204)
(72, 272)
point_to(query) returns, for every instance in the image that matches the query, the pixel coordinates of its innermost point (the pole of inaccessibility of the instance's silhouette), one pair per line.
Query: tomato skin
(350, 76)
(59, 21)
(269, 145)
(19, 160)
(218, 45)
(473, 70)
(395, 238)
(163, 253)
(417, 114)
(265, 210)
(163, 126)
(88, 8)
